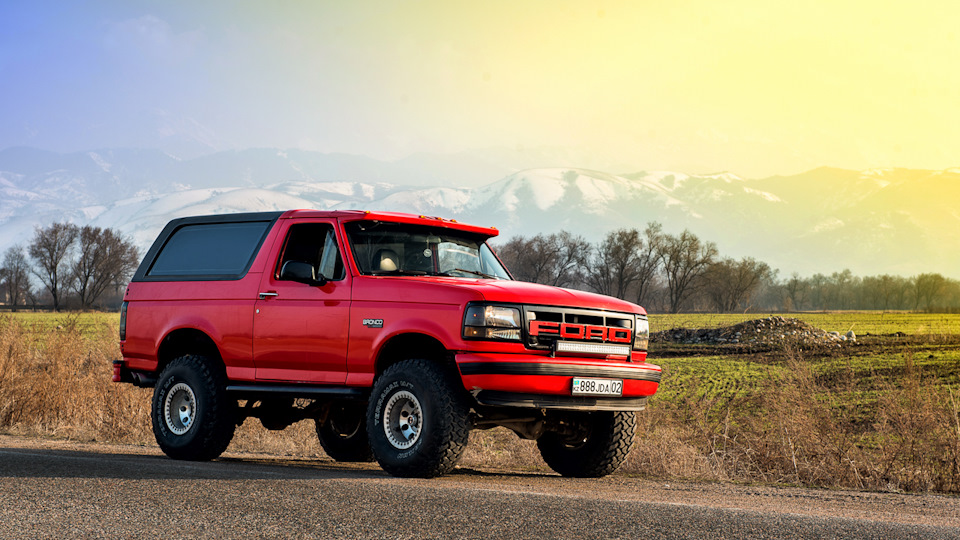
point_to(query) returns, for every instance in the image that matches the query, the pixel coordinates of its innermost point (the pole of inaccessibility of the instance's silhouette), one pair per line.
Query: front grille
(573, 316)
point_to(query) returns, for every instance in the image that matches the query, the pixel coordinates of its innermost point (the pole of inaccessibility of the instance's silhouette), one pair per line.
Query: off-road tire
(432, 443)
(193, 418)
(343, 436)
(602, 451)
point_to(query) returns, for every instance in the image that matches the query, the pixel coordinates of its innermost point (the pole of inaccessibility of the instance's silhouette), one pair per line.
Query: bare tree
(49, 250)
(555, 259)
(15, 277)
(685, 259)
(819, 289)
(796, 290)
(572, 251)
(105, 258)
(901, 292)
(841, 287)
(613, 267)
(731, 284)
(926, 289)
(648, 261)
(510, 254)
(883, 292)
(532, 259)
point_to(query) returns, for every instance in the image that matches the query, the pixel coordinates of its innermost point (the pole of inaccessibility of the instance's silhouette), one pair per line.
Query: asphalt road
(56, 489)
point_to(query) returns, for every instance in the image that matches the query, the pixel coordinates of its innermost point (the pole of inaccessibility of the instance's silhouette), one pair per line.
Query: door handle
(265, 295)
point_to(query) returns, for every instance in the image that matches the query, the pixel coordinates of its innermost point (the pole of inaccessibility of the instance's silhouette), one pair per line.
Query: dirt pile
(758, 333)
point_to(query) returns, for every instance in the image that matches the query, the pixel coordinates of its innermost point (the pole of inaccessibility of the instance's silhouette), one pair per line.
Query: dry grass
(861, 322)
(803, 429)
(791, 423)
(55, 381)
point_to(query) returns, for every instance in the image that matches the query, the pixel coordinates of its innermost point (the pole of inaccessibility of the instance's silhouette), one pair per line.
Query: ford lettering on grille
(586, 332)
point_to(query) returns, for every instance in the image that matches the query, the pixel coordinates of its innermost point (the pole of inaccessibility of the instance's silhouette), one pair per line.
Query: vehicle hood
(446, 290)
(521, 292)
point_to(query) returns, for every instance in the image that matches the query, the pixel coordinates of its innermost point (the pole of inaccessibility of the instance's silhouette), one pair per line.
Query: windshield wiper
(397, 273)
(474, 272)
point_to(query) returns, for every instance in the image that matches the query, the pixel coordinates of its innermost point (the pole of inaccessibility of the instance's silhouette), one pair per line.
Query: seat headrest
(386, 260)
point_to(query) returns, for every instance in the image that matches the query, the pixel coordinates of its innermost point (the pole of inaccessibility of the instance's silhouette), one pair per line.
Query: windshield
(387, 248)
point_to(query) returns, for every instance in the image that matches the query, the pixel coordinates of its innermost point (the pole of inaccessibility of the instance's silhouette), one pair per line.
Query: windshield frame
(407, 249)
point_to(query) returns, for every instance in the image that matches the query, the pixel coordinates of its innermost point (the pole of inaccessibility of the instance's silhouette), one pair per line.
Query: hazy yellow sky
(752, 87)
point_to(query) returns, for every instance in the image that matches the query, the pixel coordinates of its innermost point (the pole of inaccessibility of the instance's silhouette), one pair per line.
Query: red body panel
(224, 313)
(333, 334)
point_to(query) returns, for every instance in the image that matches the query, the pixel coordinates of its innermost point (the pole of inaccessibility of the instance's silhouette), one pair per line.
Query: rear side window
(223, 250)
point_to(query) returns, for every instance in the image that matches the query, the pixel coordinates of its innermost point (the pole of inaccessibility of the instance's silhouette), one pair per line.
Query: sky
(757, 88)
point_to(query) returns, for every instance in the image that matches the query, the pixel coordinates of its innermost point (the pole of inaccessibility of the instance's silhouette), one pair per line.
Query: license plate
(597, 387)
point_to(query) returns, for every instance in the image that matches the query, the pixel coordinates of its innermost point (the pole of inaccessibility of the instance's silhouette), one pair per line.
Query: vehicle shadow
(52, 463)
(57, 463)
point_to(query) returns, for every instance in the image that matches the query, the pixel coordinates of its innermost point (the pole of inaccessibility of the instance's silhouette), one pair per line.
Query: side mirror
(300, 272)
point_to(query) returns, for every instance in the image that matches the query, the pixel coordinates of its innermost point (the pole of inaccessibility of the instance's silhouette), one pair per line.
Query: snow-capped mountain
(873, 222)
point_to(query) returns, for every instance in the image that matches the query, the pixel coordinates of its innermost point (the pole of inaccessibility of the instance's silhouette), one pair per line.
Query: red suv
(397, 334)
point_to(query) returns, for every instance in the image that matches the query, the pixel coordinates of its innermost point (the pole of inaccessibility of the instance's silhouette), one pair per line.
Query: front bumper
(519, 380)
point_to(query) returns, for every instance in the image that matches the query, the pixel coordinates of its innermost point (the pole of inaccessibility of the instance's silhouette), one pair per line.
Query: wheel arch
(184, 341)
(413, 345)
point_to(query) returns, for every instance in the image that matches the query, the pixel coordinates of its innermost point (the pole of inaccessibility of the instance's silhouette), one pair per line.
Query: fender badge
(373, 323)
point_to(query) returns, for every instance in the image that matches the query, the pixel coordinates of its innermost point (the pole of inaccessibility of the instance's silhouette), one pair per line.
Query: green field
(930, 351)
(870, 373)
(861, 322)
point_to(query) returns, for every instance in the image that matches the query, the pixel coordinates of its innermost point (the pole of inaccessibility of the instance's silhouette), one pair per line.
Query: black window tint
(221, 249)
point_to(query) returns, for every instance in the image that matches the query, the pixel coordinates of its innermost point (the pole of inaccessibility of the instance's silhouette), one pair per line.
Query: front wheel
(597, 445)
(193, 419)
(417, 420)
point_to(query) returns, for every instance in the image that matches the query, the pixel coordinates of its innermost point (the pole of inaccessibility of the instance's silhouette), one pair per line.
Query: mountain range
(897, 221)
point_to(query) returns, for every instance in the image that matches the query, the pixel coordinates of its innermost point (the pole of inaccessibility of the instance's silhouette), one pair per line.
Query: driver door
(301, 330)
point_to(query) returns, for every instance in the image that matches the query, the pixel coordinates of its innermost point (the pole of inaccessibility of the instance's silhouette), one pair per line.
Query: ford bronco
(396, 334)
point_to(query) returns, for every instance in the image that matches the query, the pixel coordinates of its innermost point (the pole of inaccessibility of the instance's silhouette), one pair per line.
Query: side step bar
(297, 390)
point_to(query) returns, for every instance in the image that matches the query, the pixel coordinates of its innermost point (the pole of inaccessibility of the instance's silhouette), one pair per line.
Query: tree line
(85, 267)
(672, 273)
(88, 267)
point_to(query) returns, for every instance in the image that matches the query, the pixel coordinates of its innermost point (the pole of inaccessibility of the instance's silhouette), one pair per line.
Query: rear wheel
(597, 444)
(193, 419)
(343, 435)
(417, 420)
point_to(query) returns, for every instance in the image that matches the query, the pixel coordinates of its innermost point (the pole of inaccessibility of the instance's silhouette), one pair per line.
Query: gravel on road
(65, 489)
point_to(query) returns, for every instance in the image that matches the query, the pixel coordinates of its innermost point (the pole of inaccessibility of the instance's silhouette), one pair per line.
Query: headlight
(492, 322)
(641, 336)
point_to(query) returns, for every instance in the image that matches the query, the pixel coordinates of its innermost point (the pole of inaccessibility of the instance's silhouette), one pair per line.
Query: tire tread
(217, 425)
(604, 452)
(442, 449)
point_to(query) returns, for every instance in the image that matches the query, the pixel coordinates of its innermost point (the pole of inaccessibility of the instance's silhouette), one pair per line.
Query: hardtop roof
(397, 217)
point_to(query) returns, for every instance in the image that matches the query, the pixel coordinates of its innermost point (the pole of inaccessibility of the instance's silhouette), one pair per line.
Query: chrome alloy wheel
(403, 420)
(180, 408)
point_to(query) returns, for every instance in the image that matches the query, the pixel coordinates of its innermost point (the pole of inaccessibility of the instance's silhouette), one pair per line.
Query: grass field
(878, 414)
(88, 324)
(861, 322)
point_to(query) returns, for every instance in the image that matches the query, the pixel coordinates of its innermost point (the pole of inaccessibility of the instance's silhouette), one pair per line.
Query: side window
(315, 244)
(208, 250)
